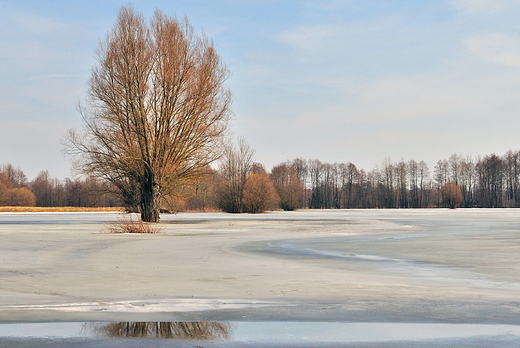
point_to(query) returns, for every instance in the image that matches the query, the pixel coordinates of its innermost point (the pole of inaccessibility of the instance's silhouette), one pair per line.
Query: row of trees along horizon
(238, 184)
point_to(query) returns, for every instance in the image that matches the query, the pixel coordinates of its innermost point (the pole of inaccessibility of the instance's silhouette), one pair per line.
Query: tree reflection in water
(202, 330)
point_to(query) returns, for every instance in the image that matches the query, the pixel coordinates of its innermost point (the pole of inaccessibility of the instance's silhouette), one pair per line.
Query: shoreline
(60, 209)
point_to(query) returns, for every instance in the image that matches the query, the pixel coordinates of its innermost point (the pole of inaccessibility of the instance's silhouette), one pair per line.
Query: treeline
(491, 181)
(46, 191)
(241, 185)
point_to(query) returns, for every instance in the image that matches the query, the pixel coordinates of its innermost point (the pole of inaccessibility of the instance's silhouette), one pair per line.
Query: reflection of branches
(176, 330)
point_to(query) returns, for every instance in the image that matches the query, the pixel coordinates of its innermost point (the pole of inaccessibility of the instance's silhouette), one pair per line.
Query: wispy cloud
(36, 24)
(307, 37)
(55, 76)
(496, 48)
(331, 4)
(484, 6)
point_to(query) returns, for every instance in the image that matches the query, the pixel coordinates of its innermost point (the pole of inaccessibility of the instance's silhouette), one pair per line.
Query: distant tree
(302, 170)
(440, 177)
(259, 193)
(11, 180)
(3, 191)
(42, 188)
(349, 174)
(424, 184)
(194, 196)
(413, 174)
(490, 172)
(388, 176)
(512, 172)
(455, 168)
(49, 191)
(13, 177)
(317, 197)
(234, 168)
(467, 181)
(401, 179)
(156, 109)
(20, 197)
(288, 185)
(451, 195)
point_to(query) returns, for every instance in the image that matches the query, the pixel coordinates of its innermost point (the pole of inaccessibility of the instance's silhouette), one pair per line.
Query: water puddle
(260, 332)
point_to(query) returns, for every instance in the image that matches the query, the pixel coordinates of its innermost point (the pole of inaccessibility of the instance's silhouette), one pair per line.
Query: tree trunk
(150, 205)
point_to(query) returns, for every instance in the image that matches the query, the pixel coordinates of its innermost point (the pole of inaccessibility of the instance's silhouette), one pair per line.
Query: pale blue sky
(340, 81)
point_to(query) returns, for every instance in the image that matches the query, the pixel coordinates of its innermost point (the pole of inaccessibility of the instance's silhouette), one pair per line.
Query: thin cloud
(55, 76)
(484, 6)
(36, 24)
(331, 4)
(498, 49)
(308, 38)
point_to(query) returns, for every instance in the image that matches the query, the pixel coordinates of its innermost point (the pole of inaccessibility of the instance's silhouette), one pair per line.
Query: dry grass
(126, 224)
(56, 209)
(177, 330)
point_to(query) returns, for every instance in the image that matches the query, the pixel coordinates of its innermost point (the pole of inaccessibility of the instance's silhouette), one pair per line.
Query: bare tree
(441, 174)
(235, 167)
(512, 171)
(156, 107)
(302, 170)
(388, 177)
(490, 172)
(413, 173)
(348, 173)
(315, 169)
(424, 183)
(455, 168)
(401, 176)
(467, 181)
(288, 185)
(15, 176)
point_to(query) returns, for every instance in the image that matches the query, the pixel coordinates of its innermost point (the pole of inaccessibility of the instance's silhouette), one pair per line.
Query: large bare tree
(155, 110)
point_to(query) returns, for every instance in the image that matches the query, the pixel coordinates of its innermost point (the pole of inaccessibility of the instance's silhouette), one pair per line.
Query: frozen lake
(364, 270)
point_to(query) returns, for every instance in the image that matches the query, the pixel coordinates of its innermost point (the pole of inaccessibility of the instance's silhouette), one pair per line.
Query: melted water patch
(262, 332)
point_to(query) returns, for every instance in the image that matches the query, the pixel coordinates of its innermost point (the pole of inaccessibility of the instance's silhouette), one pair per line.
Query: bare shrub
(259, 194)
(126, 224)
(20, 197)
(451, 195)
